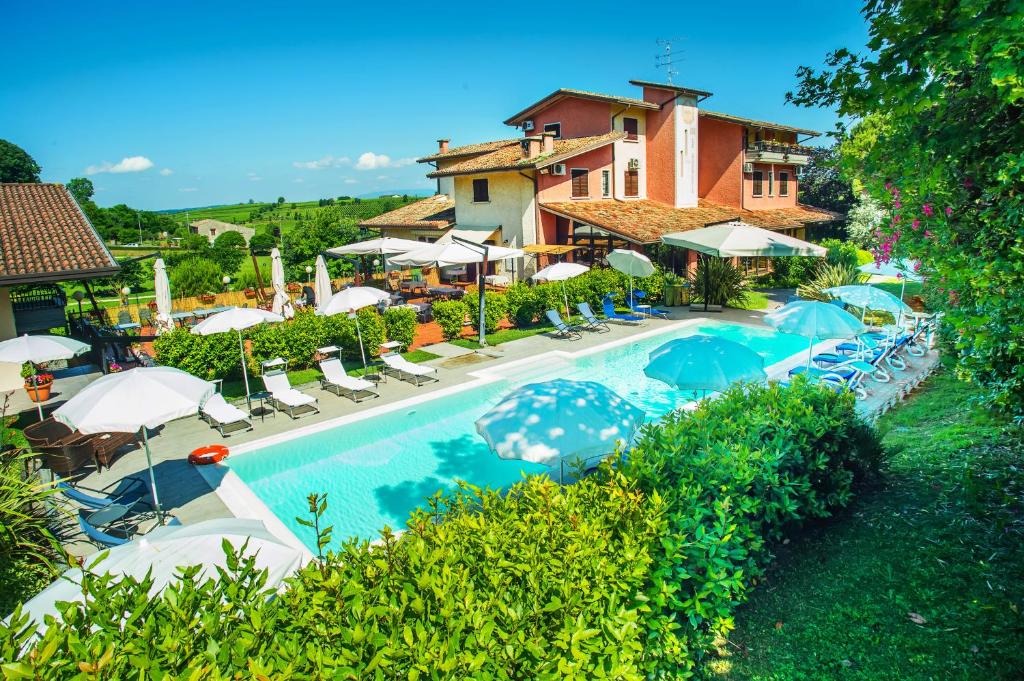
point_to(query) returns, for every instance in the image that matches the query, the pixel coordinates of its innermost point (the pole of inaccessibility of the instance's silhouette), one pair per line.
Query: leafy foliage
(725, 282)
(939, 98)
(327, 229)
(195, 276)
(209, 357)
(495, 309)
(450, 316)
(865, 217)
(827, 276)
(81, 188)
(822, 183)
(228, 251)
(16, 165)
(400, 325)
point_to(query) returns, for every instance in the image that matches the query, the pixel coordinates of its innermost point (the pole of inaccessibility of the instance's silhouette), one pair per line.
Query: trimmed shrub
(400, 325)
(208, 357)
(521, 303)
(495, 309)
(450, 316)
(196, 276)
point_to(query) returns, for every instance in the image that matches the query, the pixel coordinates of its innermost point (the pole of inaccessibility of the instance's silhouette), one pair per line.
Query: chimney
(548, 142)
(531, 146)
(442, 146)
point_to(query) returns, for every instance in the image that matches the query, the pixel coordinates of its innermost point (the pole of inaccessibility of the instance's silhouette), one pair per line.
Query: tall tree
(939, 142)
(822, 183)
(16, 165)
(81, 188)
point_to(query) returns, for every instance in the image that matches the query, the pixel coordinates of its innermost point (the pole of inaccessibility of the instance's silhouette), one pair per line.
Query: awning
(550, 249)
(477, 235)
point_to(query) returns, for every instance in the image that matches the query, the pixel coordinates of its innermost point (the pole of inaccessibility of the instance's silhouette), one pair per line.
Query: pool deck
(185, 493)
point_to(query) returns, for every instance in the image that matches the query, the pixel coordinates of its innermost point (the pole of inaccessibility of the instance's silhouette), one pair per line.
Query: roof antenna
(664, 58)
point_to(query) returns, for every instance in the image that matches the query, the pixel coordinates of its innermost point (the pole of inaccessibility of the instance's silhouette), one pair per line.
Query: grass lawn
(503, 336)
(756, 300)
(920, 579)
(893, 287)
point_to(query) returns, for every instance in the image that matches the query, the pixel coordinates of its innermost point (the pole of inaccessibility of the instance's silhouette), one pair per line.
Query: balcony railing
(771, 151)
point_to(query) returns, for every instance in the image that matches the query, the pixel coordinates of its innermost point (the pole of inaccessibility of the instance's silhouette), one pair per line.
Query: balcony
(770, 151)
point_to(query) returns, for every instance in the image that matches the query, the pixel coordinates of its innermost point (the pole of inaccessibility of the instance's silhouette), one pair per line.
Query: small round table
(262, 396)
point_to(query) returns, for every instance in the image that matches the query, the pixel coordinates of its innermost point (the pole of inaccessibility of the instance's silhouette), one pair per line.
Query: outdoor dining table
(181, 317)
(445, 292)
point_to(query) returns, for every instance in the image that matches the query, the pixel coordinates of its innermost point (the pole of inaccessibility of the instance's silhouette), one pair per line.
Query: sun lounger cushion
(283, 392)
(399, 363)
(218, 409)
(335, 374)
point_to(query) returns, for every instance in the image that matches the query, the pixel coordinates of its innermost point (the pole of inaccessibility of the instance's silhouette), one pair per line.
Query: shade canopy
(869, 297)
(162, 288)
(630, 262)
(903, 268)
(702, 362)
(740, 240)
(38, 349)
(352, 299)
(385, 245)
(165, 550)
(322, 282)
(560, 271)
(277, 282)
(129, 400)
(559, 420)
(813, 319)
(235, 319)
(446, 254)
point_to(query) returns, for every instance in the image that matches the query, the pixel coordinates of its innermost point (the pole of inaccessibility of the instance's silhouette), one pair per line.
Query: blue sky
(184, 103)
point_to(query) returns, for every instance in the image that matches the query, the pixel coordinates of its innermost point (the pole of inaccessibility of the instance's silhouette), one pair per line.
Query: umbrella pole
(707, 280)
(362, 352)
(631, 301)
(565, 296)
(245, 372)
(152, 477)
(39, 406)
(810, 351)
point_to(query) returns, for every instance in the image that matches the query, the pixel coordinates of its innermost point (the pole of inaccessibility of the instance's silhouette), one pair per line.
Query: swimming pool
(377, 469)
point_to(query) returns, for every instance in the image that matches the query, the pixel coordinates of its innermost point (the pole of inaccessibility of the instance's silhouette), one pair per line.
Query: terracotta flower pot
(250, 293)
(40, 392)
(207, 299)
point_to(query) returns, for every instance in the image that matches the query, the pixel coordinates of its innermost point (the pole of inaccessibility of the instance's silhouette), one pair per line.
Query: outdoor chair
(224, 416)
(92, 526)
(608, 307)
(337, 381)
(562, 330)
(145, 317)
(592, 323)
(128, 492)
(283, 396)
(652, 311)
(408, 371)
(868, 351)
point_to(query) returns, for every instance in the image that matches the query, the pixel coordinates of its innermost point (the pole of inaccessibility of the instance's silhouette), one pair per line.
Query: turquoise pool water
(376, 470)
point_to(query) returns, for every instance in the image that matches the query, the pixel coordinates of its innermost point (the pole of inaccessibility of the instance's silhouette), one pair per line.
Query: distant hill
(420, 193)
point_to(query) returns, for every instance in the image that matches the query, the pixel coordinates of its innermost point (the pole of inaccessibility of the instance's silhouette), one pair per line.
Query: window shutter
(579, 183)
(632, 183)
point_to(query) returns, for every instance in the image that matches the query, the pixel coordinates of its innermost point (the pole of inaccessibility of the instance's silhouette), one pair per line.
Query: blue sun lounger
(608, 307)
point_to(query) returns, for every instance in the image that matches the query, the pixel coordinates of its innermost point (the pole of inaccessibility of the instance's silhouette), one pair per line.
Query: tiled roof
(755, 123)
(510, 156)
(670, 86)
(564, 93)
(467, 150)
(436, 212)
(644, 222)
(44, 236)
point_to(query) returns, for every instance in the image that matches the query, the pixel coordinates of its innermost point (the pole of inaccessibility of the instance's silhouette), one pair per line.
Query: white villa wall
(511, 207)
(685, 121)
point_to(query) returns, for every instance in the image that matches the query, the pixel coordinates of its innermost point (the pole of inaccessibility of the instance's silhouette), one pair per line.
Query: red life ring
(207, 455)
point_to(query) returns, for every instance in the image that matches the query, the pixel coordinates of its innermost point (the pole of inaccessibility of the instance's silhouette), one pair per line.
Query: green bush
(208, 357)
(828, 276)
(298, 340)
(495, 309)
(450, 316)
(196, 276)
(843, 253)
(521, 304)
(400, 325)
(26, 545)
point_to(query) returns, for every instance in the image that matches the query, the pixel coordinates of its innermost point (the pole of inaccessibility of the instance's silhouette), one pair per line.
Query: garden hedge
(627, 574)
(450, 315)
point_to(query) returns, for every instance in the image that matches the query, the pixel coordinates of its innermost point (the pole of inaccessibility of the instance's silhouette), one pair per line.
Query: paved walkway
(186, 494)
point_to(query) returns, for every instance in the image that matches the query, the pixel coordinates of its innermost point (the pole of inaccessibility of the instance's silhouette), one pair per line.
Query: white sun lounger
(220, 415)
(340, 383)
(407, 370)
(284, 397)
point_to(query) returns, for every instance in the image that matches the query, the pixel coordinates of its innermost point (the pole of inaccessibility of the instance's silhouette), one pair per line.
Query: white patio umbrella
(161, 553)
(236, 319)
(702, 362)
(558, 421)
(385, 245)
(561, 271)
(39, 349)
(348, 300)
(632, 263)
(322, 282)
(444, 254)
(277, 282)
(133, 400)
(162, 288)
(813, 319)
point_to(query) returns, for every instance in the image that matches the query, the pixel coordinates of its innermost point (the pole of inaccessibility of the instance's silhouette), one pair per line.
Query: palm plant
(725, 282)
(828, 276)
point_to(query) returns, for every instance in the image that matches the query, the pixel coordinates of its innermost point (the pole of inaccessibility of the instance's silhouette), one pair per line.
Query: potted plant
(674, 287)
(294, 287)
(207, 298)
(37, 385)
(250, 293)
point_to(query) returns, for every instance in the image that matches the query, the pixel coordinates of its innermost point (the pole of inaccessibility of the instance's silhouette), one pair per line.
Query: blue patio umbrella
(814, 320)
(869, 298)
(558, 422)
(702, 362)
(903, 269)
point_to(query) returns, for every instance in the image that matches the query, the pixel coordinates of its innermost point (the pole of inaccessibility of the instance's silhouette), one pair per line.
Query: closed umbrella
(162, 287)
(39, 349)
(140, 398)
(277, 282)
(813, 319)
(558, 421)
(162, 553)
(322, 282)
(561, 271)
(236, 319)
(347, 301)
(632, 263)
(702, 362)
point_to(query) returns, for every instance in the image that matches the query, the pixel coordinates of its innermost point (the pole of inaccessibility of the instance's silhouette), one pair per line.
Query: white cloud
(189, 189)
(325, 162)
(166, 171)
(349, 180)
(372, 161)
(253, 177)
(128, 164)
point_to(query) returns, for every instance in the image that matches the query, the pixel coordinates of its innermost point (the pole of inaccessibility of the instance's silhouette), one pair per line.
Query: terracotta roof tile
(645, 222)
(44, 236)
(510, 156)
(436, 212)
(729, 118)
(468, 150)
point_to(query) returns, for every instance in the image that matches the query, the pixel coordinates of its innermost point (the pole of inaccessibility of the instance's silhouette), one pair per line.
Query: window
(758, 182)
(771, 184)
(555, 128)
(480, 194)
(631, 127)
(579, 183)
(783, 184)
(632, 183)
(606, 183)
